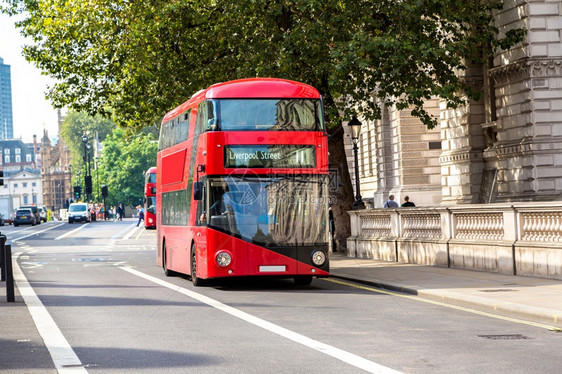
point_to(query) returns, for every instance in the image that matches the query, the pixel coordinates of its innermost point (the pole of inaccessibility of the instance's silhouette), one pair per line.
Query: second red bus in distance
(150, 198)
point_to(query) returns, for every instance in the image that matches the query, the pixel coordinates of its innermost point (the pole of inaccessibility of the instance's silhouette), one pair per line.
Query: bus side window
(164, 136)
(184, 127)
(201, 119)
(211, 119)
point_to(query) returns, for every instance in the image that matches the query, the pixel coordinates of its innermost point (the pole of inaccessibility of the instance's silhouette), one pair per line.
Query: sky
(31, 111)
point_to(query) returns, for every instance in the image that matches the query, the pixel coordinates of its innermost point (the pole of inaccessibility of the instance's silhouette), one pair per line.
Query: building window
(7, 159)
(15, 185)
(18, 151)
(6, 151)
(18, 158)
(25, 200)
(24, 184)
(27, 158)
(33, 184)
(34, 199)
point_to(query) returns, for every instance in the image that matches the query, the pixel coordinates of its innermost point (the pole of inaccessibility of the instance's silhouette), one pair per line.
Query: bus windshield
(151, 204)
(267, 114)
(273, 211)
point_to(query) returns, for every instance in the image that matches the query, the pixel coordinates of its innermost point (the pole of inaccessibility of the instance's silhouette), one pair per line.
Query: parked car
(78, 212)
(24, 216)
(43, 213)
(35, 211)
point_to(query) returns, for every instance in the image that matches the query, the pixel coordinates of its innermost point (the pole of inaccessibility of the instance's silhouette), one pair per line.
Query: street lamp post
(67, 202)
(87, 176)
(355, 126)
(98, 178)
(78, 174)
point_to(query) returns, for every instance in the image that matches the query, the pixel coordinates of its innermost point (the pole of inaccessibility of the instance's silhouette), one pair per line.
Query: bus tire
(303, 280)
(197, 282)
(167, 271)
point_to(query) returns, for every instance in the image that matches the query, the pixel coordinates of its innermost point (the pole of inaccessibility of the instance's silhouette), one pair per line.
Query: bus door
(199, 231)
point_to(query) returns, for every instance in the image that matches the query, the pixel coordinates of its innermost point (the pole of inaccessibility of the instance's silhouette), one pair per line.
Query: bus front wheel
(197, 282)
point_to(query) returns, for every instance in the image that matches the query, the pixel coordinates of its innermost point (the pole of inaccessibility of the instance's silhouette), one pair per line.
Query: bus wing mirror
(197, 190)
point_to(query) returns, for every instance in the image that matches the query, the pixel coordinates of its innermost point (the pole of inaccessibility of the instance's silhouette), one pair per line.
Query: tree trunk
(341, 191)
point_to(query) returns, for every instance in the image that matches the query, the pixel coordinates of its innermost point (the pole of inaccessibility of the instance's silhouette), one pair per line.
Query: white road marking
(36, 232)
(131, 233)
(32, 265)
(71, 232)
(118, 235)
(64, 357)
(347, 357)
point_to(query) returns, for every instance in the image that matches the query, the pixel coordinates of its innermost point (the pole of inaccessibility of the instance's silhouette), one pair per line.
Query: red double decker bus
(150, 198)
(242, 186)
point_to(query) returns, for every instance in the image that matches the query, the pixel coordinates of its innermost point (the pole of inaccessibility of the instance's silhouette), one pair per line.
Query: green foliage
(123, 164)
(74, 125)
(137, 59)
(122, 161)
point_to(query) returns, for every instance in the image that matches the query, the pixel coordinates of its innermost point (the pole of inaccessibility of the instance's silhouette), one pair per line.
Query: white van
(78, 212)
(43, 213)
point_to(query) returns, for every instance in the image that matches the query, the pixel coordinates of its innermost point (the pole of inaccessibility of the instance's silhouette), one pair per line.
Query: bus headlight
(223, 259)
(318, 258)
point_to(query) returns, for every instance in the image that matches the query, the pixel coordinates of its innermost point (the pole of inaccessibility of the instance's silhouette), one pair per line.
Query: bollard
(10, 295)
(2, 264)
(2, 258)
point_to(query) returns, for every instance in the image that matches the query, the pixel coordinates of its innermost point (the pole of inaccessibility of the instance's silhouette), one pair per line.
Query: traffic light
(1, 177)
(88, 185)
(77, 192)
(104, 190)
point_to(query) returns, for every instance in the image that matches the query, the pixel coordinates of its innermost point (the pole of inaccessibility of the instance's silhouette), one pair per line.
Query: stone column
(463, 143)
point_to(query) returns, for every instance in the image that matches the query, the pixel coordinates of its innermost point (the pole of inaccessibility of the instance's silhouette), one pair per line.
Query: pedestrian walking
(120, 212)
(140, 212)
(390, 203)
(92, 212)
(407, 202)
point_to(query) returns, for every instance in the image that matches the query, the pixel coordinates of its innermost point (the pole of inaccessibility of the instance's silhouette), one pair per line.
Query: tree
(136, 60)
(74, 125)
(123, 163)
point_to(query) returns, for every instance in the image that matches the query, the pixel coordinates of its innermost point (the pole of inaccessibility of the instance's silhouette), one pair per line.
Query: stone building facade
(488, 181)
(505, 148)
(55, 172)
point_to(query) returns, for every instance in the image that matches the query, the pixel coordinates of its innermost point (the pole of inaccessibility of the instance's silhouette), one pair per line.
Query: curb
(513, 310)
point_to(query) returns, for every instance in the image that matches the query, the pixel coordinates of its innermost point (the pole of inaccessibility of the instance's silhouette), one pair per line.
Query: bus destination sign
(270, 156)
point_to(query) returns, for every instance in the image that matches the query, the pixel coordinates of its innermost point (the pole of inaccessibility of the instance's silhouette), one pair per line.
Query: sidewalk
(534, 299)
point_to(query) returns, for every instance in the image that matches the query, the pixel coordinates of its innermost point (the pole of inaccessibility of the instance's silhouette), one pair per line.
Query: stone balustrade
(518, 238)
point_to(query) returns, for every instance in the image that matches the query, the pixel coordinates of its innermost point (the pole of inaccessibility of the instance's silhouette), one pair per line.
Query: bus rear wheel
(197, 282)
(167, 271)
(303, 280)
